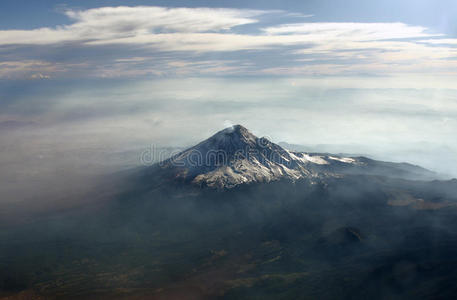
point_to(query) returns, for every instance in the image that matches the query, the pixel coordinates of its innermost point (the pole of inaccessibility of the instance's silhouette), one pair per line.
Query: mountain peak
(235, 156)
(237, 133)
(237, 129)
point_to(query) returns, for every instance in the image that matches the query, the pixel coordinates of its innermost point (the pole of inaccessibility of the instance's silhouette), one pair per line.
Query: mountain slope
(235, 156)
(337, 232)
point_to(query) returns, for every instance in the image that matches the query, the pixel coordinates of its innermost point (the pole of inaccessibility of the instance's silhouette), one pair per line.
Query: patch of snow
(315, 159)
(303, 157)
(346, 160)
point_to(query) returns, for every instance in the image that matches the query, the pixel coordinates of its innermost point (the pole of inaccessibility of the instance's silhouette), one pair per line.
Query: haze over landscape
(345, 107)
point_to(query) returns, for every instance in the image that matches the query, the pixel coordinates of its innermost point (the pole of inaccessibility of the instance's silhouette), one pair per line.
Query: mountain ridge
(234, 156)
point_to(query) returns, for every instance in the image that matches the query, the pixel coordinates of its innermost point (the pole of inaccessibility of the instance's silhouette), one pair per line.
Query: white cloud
(152, 19)
(125, 22)
(440, 41)
(378, 57)
(40, 76)
(373, 48)
(353, 31)
(35, 69)
(313, 48)
(207, 42)
(14, 69)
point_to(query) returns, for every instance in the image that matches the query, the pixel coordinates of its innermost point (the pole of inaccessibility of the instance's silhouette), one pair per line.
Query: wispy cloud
(353, 31)
(28, 68)
(440, 41)
(137, 37)
(107, 23)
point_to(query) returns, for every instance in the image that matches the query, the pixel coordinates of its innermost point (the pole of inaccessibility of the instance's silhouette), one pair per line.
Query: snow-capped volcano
(235, 156)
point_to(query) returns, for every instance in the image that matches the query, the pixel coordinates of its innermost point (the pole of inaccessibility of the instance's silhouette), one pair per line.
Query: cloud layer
(158, 41)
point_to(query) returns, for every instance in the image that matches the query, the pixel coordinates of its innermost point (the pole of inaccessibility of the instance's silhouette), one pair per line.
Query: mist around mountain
(235, 156)
(438, 158)
(240, 217)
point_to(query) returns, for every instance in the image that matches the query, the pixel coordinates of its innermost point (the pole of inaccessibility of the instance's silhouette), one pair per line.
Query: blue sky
(374, 76)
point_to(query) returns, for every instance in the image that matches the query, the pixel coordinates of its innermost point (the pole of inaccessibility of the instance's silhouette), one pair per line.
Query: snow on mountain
(343, 159)
(235, 156)
(315, 159)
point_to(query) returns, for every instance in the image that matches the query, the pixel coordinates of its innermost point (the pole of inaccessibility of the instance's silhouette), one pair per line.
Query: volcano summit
(235, 156)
